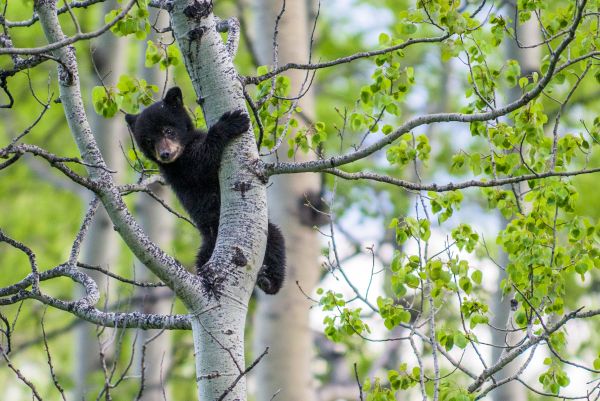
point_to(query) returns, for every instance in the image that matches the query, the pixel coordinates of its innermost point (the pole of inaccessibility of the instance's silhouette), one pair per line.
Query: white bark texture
(282, 322)
(218, 326)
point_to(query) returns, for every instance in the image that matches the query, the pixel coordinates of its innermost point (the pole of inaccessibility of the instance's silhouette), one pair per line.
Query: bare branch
(242, 374)
(62, 10)
(360, 390)
(143, 185)
(510, 378)
(83, 308)
(65, 41)
(46, 107)
(87, 220)
(20, 375)
(365, 175)
(7, 333)
(49, 360)
(35, 275)
(315, 66)
(167, 207)
(530, 342)
(119, 278)
(54, 160)
(232, 27)
(320, 165)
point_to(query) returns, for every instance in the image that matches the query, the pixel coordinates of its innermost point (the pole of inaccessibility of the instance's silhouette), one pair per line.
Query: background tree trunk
(153, 347)
(282, 322)
(529, 59)
(102, 245)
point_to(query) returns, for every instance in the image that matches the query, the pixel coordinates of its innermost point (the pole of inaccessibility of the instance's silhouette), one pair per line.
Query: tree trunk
(218, 320)
(101, 247)
(153, 347)
(282, 322)
(529, 59)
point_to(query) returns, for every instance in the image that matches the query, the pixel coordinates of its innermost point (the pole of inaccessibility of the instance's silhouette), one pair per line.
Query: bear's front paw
(235, 122)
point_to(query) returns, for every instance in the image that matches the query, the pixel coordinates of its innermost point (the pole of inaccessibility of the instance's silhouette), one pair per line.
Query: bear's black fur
(189, 160)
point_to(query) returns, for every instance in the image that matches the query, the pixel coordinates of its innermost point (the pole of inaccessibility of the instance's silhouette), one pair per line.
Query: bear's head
(163, 130)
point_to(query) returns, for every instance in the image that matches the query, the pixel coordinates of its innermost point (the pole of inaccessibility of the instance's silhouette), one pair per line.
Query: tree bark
(218, 325)
(101, 247)
(282, 322)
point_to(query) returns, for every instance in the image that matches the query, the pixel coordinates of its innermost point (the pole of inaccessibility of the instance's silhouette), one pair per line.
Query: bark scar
(238, 258)
(258, 168)
(198, 9)
(196, 34)
(242, 187)
(212, 281)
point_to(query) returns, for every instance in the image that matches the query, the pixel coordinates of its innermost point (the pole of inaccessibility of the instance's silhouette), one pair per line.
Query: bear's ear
(174, 97)
(131, 119)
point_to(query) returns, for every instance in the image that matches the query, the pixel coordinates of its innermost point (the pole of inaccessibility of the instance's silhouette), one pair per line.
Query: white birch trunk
(159, 225)
(153, 347)
(101, 247)
(218, 325)
(529, 59)
(282, 322)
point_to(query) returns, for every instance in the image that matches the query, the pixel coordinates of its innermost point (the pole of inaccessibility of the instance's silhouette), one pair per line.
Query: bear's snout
(167, 150)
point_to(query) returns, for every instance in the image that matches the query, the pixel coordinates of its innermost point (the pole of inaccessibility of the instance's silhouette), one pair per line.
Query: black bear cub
(189, 160)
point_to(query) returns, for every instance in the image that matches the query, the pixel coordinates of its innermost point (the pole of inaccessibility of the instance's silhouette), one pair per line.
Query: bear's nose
(164, 155)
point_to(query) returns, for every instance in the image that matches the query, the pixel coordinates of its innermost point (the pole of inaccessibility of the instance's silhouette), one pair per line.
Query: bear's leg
(209, 239)
(272, 272)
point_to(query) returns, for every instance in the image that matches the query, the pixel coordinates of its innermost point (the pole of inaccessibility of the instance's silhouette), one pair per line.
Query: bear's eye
(169, 132)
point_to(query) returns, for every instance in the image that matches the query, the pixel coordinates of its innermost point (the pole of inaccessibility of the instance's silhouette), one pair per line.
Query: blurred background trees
(417, 271)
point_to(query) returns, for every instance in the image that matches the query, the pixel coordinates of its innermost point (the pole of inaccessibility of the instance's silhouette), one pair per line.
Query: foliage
(446, 133)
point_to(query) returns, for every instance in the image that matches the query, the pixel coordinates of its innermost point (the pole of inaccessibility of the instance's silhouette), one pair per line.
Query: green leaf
(460, 340)
(384, 39)
(465, 284)
(523, 81)
(407, 28)
(477, 276)
(521, 318)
